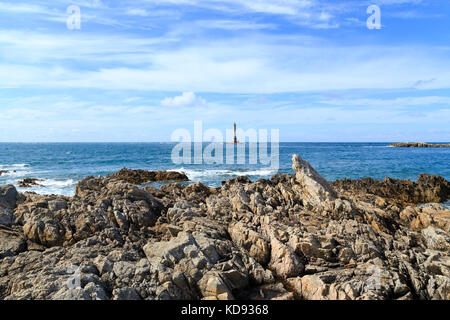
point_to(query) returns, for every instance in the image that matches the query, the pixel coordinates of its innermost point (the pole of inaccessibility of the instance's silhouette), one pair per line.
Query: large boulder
(312, 186)
(284, 262)
(8, 201)
(8, 196)
(11, 243)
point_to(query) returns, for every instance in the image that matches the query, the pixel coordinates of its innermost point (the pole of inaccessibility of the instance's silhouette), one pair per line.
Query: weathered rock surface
(8, 201)
(29, 182)
(312, 186)
(428, 188)
(290, 237)
(142, 176)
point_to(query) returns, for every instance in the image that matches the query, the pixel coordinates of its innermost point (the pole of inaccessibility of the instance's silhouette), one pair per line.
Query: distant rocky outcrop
(143, 176)
(3, 172)
(418, 145)
(29, 182)
(290, 237)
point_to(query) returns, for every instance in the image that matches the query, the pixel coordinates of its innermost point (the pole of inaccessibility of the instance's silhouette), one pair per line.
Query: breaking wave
(207, 174)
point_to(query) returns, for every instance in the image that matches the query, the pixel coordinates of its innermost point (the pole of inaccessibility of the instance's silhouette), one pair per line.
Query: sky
(136, 71)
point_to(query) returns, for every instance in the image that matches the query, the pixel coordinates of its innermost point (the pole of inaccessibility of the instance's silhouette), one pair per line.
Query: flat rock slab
(11, 243)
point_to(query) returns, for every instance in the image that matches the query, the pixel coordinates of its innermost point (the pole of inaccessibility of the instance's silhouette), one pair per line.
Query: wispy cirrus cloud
(161, 64)
(426, 101)
(24, 8)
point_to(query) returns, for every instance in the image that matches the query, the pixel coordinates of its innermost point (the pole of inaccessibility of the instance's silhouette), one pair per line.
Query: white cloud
(391, 103)
(22, 8)
(187, 99)
(234, 25)
(244, 65)
(285, 7)
(397, 2)
(137, 12)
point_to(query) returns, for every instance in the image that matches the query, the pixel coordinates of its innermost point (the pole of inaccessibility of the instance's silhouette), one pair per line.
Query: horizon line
(177, 142)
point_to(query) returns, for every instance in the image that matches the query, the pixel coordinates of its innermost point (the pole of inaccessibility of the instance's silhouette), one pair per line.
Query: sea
(62, 165)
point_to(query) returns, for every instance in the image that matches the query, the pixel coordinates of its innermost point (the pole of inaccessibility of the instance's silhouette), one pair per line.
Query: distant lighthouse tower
(235, 141)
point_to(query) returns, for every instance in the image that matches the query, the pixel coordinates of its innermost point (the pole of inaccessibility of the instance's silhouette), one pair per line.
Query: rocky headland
(291, 237)
(418, 145)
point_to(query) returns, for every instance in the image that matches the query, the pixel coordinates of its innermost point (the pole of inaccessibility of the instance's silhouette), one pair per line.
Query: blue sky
(138, 70)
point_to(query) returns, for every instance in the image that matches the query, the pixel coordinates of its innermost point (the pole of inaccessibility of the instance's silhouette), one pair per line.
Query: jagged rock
(172, 250)
(48, 233)
(91, 291)
(213, 285)
(6, 216)
(29, 182)
(125, 293)
(8, 196)
(143, 176)
(290, 237)
(56, 205)
(284, 261)
(99, 204)
(8, 201)
(312, 186)
(295, 285)
(438, 288)
(436, 239)
(428, 188)
(11, 243)
(257, 247)
(314, 288)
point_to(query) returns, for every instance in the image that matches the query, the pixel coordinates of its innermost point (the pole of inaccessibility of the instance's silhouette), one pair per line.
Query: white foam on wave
(16, 173)
(447, 204)
(58, 183)
(53, 186)
(13, 166)
(196, 175)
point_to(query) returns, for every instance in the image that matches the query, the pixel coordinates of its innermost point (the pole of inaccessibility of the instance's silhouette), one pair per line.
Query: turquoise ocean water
(62, 165)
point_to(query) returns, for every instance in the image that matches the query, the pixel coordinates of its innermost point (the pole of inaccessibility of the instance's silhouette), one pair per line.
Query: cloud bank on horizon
(136, 71)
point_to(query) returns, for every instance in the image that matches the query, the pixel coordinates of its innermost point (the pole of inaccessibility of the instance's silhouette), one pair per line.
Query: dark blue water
(63, 164)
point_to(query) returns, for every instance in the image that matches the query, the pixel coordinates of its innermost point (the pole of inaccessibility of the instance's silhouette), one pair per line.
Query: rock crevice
(291, 237)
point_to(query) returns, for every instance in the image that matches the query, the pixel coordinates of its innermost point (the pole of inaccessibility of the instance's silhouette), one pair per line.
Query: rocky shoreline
(418, 145)
(290, 237)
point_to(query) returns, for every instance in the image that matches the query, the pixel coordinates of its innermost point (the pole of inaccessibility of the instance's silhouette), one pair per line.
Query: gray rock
(125, 293)
(171, 250)
(249, 240)
(56, 205)
(436, 238)
(8, 196)
(290, 237)
(11, 243)
(6, 216)
(313, 187)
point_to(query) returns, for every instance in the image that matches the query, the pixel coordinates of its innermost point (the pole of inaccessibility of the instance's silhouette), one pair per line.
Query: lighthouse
(235, 136)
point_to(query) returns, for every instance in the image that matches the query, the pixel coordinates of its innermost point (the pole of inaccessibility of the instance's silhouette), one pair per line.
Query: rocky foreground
(290, 237)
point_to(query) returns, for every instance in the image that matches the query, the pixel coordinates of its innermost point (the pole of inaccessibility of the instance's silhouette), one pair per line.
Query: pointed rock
(313, 187)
